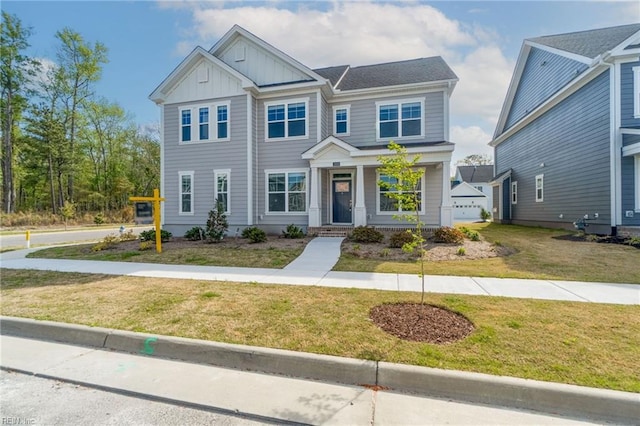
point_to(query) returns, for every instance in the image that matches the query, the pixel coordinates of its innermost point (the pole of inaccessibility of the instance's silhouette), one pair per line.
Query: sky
(480, 40)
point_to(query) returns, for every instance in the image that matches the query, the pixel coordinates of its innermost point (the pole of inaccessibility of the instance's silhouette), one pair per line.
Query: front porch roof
(334, 150)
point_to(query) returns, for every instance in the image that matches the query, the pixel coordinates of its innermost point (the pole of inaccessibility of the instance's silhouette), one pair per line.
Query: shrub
(128, 236)
(150, 235)
(366, 234)
(485, 215)
(293, 232)
(448, 235)
(254, 234)
(217, 224)
(109, 241)
(145, 245)
(399, 239)
(194, 234)
(461, 251)
(98, 219)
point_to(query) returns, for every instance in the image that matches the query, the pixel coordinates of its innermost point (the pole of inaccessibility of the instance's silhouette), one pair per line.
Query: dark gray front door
(341, 190)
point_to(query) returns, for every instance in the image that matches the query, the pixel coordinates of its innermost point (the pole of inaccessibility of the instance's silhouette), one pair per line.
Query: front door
(341, 194)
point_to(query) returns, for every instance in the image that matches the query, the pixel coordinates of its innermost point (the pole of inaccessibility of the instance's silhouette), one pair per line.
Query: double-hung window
(514, 192)
(185, 181)
(287, 119)
(341, 120)
(286, 191)
(221, 190)
(539, 188)
(387, 204)
(204, 123)
(400, 119)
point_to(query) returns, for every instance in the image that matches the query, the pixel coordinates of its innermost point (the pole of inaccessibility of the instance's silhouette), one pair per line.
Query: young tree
(400, 179)
(217, 224)
(15, 71)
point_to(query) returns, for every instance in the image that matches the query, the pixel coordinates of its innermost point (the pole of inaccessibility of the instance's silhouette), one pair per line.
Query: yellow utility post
(156, 215)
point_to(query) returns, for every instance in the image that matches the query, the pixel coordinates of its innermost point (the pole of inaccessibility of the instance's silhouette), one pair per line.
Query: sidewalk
(313, 268)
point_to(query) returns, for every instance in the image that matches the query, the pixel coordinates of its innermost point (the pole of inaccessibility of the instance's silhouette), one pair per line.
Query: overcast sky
(480, 40)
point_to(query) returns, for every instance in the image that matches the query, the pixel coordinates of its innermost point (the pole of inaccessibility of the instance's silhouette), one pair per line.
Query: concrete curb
(558, 399)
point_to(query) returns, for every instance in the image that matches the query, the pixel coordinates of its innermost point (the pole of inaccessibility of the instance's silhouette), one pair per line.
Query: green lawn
(586, 344)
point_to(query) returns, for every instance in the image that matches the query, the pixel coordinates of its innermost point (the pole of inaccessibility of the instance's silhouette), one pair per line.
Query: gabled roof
(476, 174)
(591, 47)
(589, 43)
(463, 190)
(422, 70)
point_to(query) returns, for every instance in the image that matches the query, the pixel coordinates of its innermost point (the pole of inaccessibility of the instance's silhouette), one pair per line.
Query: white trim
(637, 182)
(636, 92)
(216, 174)
(319, 108)
(286, 103)
(633, 149)
(615, 142)
(559, 52)
(194, 111)
(162, 165)
(540, 178)
(180, 193)
(286, 172)
(630, 131)
(514, 192)
(422, 190)
(399, 103)
(249, 160)
(346, 107)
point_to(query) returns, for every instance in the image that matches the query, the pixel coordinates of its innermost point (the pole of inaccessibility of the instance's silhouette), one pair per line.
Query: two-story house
(279, 143)
(567, 143)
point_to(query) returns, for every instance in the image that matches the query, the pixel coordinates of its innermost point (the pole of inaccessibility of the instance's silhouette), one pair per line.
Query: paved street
(39, 238)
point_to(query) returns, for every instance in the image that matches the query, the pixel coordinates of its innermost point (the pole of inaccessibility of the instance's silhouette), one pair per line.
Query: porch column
(446, 211)
(314, 205)
(360, 212)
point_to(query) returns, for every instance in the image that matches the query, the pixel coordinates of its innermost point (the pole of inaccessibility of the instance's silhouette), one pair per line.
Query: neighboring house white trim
(278, 116)
(539, 188)
(345, 117)
(286, 190)
(184, 191)
(226, 190)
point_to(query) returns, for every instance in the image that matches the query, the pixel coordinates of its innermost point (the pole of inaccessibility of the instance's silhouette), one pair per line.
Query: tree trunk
(8, 191)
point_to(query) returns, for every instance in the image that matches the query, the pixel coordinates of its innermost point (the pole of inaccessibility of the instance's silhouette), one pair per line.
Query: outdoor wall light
(541, 164)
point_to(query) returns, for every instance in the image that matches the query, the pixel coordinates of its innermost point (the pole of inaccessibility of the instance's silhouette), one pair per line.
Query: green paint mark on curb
(148, 349)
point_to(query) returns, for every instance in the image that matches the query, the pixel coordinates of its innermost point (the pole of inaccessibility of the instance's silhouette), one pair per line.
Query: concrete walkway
(313, 267)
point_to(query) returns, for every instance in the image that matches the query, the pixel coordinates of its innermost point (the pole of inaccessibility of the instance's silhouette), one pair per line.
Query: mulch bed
(421, 322)
(605, 239)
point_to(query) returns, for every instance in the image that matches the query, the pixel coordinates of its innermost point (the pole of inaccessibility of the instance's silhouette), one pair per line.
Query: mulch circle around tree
(421, 322)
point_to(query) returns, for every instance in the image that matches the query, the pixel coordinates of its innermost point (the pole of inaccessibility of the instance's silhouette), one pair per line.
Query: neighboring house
(479, 177)
(567, 143)
(468, 201)
(281, 144)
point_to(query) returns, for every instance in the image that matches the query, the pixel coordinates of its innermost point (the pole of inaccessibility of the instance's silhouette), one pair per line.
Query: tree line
(62, 143)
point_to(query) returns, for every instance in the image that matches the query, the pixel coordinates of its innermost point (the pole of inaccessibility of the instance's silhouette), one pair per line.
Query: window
(479, 188)
(211, 123)
(514, 192)
(185, 134)
(186, 193)
(636, 92)
(400, 119)
(287, 120)
(286, 191)
(341, 120)
(539, 188)
(221, 190)
(223, 121)
(203, 114)
(389, 205)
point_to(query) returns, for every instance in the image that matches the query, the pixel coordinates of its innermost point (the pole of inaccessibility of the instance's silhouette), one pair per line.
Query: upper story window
(211, 123)
(400, 119)
(636, 92)
(341, 120)
(287, 120)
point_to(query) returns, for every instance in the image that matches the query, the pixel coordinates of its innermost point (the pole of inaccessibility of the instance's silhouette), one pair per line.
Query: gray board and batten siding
(202, 158)
(544, 74)
(569, 145)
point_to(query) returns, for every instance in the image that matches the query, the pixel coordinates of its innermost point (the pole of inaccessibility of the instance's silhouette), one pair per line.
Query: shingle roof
(473, 174)
(332, 74)
(422, 70)
(589, 43)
